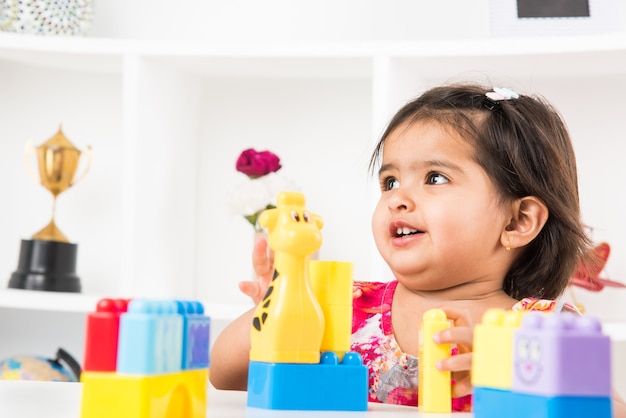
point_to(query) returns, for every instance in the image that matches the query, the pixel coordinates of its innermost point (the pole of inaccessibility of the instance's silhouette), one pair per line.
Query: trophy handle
(89, 152)
(29, 151)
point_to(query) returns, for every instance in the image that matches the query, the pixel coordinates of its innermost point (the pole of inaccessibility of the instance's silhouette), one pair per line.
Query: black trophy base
(46, 265)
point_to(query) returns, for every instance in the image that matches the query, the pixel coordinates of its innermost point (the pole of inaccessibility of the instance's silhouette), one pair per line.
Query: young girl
(478, 209)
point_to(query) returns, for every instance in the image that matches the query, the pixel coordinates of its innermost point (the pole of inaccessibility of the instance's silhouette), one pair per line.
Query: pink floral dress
(393, 373)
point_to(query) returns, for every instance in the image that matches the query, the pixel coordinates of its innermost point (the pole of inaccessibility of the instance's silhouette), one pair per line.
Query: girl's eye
(390, 183)
(436, 178)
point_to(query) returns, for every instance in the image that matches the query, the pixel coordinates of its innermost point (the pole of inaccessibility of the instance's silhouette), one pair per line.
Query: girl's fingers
(252, 290)
(461, 336)
(262, 259)
(461, 333)
(458, 363)
(263, 264)
(459, 317)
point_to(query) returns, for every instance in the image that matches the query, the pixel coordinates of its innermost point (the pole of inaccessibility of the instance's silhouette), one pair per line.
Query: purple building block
(561, 355)
(196, 335)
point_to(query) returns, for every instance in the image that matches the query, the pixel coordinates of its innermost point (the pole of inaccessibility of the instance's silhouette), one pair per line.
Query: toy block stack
(146, 359)
(492, 360)
(560, 367)
(300, 335)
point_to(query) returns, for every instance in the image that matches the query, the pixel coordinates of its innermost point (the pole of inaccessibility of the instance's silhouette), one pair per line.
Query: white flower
(253, 195)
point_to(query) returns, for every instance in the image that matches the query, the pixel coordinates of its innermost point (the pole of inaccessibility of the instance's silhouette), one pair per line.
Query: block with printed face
(561, 354)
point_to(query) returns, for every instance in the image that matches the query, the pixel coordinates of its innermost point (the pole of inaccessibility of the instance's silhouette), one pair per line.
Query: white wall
(214, 21)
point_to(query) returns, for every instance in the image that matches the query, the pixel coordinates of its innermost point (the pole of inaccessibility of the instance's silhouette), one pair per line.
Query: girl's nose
(401, 200)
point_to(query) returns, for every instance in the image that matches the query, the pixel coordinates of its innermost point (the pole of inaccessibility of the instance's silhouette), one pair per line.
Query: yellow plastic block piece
(175, 395)
(434, 386)
(492, 357)
(288, 324)
(331, 282)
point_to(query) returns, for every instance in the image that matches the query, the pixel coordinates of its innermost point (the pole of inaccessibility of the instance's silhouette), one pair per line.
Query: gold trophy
(48, 260)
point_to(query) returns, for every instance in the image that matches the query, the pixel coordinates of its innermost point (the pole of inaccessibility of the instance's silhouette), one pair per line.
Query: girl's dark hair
(524, 146)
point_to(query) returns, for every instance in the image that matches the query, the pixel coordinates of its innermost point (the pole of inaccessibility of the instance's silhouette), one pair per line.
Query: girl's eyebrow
(385, 167)
(424, 164)
(437, 163)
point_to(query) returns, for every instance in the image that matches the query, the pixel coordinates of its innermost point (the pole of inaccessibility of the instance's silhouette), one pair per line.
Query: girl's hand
(461, 335)
(263, 263)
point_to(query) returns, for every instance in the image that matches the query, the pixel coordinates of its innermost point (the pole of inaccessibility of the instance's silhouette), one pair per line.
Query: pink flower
(256, 164)
(253, 197)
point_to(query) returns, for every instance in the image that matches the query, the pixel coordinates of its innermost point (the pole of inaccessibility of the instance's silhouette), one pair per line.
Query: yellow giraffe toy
(288, 323)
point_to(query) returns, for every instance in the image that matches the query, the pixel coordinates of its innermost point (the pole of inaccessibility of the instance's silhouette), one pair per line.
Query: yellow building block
(331, 283)
(175, 395)
(492, 357)
(434, 386)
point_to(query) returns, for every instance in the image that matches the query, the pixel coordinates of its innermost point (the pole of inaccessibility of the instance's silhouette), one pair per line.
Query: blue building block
(327, 386)
(495, 403)
(150, 338)
(533, 406)
(196, 335)
(498, 403)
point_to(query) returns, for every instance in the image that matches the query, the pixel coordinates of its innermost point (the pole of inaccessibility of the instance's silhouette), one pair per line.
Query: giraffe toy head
(291, 227)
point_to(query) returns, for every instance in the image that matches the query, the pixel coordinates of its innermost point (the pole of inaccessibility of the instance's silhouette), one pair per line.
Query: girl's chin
(404, 263)
(419, 286)
(407, 274)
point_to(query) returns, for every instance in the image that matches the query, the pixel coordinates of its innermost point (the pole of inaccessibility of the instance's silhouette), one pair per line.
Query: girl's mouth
(404, 231)
(400, 230)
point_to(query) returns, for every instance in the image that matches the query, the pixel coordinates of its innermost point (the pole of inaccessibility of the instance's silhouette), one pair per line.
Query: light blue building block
(196, 335)
(150, 338)
(326, 386)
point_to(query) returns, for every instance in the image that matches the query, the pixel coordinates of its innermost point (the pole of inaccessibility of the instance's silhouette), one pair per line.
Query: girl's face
(438, 222)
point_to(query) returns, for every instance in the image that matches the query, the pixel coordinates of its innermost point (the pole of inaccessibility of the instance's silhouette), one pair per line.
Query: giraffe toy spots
(288, 324)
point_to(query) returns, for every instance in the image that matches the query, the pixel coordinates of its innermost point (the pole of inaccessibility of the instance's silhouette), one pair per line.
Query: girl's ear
(530, 214)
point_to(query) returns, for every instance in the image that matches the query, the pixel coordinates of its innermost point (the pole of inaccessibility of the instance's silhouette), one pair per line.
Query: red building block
(102, 334)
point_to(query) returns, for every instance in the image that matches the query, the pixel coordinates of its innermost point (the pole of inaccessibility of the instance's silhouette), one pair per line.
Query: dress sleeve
(544, 305)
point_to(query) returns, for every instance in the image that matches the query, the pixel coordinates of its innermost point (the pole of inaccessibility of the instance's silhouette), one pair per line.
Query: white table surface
(28, 399)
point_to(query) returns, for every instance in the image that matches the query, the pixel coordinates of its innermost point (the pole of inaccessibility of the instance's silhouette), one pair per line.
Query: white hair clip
(501, 93)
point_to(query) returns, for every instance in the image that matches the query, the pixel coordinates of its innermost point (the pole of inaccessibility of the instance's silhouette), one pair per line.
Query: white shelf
(592, 55)
(47, 301)
(51, 302)
(437, 48)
